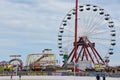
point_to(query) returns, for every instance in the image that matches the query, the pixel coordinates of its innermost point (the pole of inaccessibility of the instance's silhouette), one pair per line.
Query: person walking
(97, 77)
(20, 77)
(104, 77)
(11, 77)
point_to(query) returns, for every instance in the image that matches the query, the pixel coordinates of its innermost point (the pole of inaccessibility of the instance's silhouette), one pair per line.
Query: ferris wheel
(95, 34)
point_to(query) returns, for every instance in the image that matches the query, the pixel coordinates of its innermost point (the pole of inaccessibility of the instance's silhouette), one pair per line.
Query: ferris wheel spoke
(93, 19)
(98, 21)
(80, 20)
(68, 45)
(97, 28)
(83, 19)
(99, 32)
(92, 16)
(102, 39)
(89, 16)
(65, 41)
(102, 46)
(69, 30)
(67, 36)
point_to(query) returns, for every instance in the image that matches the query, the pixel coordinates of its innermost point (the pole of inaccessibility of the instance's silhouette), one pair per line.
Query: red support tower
(86, 51)
(76, 26)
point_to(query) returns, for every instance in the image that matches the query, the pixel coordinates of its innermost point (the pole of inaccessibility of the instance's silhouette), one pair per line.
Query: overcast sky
(29, 26)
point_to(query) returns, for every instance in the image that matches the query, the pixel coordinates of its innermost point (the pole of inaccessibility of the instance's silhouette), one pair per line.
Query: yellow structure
(100, 67)
(9, 66)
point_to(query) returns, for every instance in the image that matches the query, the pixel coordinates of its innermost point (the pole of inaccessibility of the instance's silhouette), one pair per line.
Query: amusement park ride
(16, 62)
(87, 33)
(41, 61)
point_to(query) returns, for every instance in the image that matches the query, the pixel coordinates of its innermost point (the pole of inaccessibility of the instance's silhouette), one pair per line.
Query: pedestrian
(98, 77)
(104, 77)
(20, 74)
(11, 77)
(20, 77)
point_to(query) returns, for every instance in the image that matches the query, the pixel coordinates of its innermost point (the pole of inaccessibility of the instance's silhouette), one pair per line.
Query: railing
(39, 73)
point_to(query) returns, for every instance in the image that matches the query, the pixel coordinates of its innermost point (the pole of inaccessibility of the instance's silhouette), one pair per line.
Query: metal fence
(39, 73)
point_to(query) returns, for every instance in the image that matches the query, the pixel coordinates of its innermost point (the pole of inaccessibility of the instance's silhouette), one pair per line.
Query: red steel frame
(86, 51)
